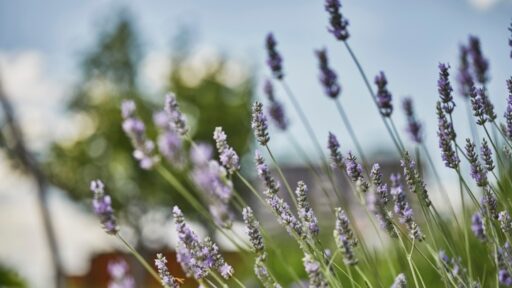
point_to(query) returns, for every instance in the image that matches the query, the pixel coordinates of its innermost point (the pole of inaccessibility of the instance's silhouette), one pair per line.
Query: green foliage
(101, 150)
(10, 279)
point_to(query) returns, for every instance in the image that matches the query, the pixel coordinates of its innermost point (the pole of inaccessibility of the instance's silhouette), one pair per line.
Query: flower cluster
(403, 210)
(336, 158)
(383, 95)
(169, 141)
(136, 131)
(227, 154)
(274, 61)
(445, 89)
(102, 206)
(275, 109)
(344, 237)
(414, 127)
(480, 64)
(338, 23)
(305, 212)
(177, 120)
(446, 135)
(327, 77)
(259, 124)
(414, 180)
(313, 269)
(119, 275)
(166, 277)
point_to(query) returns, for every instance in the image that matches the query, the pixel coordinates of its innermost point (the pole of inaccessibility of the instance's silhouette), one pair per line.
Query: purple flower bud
(259, 124)
(403, 210)
(510, 39)
(383, 95)
(305, 212)
(344, 237)
(212, 178)
(119, 275)
(504, 277)
(354, 169)
(414, 180)
(505, 222)
(446, 135)
(262, 273)
(177, 119)
(227, 154)
(486, 154)
(314, 271)
(508, 112)
(276, 108)
(477, 226)
(338, 24)
(480, 64)
(414, 127)
(201, 153)
(334, 151)
(400, 281)
(166, 277)
(327, 77)
(464, 78)
(271, 185)
(274, 60)
(445, 88)
(285, 216)
(477, 172)
(252, 227)
(102, 205)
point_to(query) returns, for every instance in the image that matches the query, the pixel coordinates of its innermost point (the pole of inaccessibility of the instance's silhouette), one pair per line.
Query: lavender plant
(418, 234)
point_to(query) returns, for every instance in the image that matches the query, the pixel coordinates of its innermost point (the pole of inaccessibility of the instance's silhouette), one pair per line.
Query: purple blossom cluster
(504, 256)
(259, 124)
(313, 269)
(337, 23)
(478, 173)
(336, 159)
(464, 77)
(274, 60)
(102, 207)
(227, 154)
(271, 185)
(445, 89)
(136, 131)
(414, 180)
(306, 214)
(508, 111)
(403, 210)
(477, 226)
(480, 63)
(119, 275)
(414, 127)
(197, 258)
(446, 135)
(169, 141)
(328, 77)
(383, 95)
(275, 109)
(177, 120)
(378, 201)
(167, 279)
(400, 281)
(354, 169)
(344, 237)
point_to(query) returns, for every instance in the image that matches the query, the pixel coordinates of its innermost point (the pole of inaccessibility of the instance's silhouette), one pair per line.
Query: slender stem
(141, 259)
(281, 174)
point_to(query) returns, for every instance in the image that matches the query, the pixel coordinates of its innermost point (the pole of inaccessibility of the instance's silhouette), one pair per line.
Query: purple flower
(314, 271)
(338, 24)
(177, 120)
(477, 226)
(285, 216)
(508, 112)
(227, 154)
(102, 205)
(119, 275)
(445, 88)
(486, 154)
(414, 180)
(480, 64)
(383, 95)
(334, 150)
(354, 169)
(446, 135)
(453, 267)
(510, 40)
(135, 130)
(259, 124)
(327, 77)
(505, 222)
(464, 78)
(400, 281)
(344, 237)
(274, 60)
(166, 277)
(275, 109)
(403, 210)
(201, 153)
(504, 256)
(271, 185)
(212, 178)
(262, 273)
(252, 227)
(489, 204)
(305, 212)
(477, 172)
(381, 188)
(414, 127)
(504, 277)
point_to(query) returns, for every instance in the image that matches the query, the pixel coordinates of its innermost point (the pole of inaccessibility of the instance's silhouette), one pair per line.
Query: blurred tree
(9, 278)
(100, 148)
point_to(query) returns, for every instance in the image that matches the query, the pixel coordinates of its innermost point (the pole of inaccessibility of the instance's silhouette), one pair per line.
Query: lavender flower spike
(414, 127)
(102, 205)
(252, 227)
(446, 135)
(505, 222)
(510, 39)
(135, 130)
(414, 180)
(344, 237)
(177, 119)
(478, 173)
(354, 169)
(400, 281)
(271, 185)
(274, 61)
(477, 226)
(445, 88)
(305, 212)
(508, 112)
(338, 24)
(120, 278)
(327, 76)
(480, 64)
(314, 271)
(383, 95)
(167, 279)
(403, 210)
(262, 273)
(464, 77)
(486, 154)
(259, 124)
(336, 158)
(276, 108)
(227, 154)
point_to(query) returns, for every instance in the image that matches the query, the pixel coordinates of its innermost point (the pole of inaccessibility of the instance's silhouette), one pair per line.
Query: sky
(40, 42)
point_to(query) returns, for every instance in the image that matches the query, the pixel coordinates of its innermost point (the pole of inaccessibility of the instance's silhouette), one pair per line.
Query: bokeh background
(66, 65)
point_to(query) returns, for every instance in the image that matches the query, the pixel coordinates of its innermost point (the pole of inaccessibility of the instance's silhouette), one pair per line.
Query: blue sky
(406, 39)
